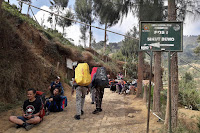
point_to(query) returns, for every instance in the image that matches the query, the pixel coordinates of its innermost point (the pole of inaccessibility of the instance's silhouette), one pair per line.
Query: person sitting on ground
(124, 88)
(119, 87)
(56, 84)
(31, 111)
(53, 103)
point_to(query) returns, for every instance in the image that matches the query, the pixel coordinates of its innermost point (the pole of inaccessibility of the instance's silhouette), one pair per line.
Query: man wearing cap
(56, 84)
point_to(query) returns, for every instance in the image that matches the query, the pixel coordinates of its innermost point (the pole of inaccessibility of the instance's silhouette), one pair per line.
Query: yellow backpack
(82, 74)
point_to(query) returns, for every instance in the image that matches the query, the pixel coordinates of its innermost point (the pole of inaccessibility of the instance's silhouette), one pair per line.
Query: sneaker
(77, 117)
(82, 112)
(96, 111)
(47, 113)
(92, 102)
(28, 126)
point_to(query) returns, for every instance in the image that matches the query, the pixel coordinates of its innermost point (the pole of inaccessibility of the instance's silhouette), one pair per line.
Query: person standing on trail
(56, 84)
(81, 90)
(92, 89)
(31, 109)
(99, 83)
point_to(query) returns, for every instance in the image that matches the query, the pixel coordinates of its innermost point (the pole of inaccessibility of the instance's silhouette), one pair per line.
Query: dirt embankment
(29, 59)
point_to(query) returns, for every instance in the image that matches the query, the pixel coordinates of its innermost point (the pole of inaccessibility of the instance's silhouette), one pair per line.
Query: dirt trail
(114, 118)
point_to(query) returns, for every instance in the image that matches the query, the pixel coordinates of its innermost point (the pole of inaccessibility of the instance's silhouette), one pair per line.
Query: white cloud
(191, 26)
(72, 32)
(128, 22)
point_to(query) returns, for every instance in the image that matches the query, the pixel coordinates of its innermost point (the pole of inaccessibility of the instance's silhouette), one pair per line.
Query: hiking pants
(99, 96)
(92, 94)
(80, 98)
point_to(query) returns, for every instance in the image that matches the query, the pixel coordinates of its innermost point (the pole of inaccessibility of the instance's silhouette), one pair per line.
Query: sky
(191, 26)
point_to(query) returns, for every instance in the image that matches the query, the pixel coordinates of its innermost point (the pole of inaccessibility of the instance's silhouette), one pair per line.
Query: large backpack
(101, 79)
(82, 74)
(94, 70)
(41, 95)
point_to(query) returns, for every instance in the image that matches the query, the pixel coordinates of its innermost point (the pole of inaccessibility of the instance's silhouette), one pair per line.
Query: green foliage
(198, 122)
(187, 82)
(12, 11)
(110, 12)
(64, 22)
(130, 46)
(188, 77)
(190, 98)
(84, 12)
(118, 56)
(197, 49)
(8, 106)
(131, 68)
(188, 94)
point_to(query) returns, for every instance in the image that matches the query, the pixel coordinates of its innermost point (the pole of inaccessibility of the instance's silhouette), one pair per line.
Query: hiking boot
(77, 117)
(96, 111)
(100, 110)
(92, 102)
(82, 112)
(28, 126)
(18, 126)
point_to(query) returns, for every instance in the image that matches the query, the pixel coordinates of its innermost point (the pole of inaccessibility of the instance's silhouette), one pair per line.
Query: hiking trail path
(113, 119)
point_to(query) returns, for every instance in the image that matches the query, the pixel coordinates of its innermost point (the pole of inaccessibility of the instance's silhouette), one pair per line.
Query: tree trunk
(145, 94)
(21, 7)
(63, 31)
(90, 43)
(174, 75)
(0, 7)
(28, 9)
(140, 74)
(105, 39)
(157, 81)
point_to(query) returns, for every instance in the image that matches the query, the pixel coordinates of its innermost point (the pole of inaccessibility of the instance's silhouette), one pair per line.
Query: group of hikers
(83, 82)
(37, 105)
(121, 86)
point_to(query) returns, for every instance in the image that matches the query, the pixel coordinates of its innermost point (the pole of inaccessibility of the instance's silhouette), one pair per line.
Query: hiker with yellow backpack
(81, 82)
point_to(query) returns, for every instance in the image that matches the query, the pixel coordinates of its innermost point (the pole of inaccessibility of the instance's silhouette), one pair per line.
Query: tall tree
(157, 7)
(110, 12)
(84, 12)
(140, 53)
(57, 6)
(174, 76)
(64, 22)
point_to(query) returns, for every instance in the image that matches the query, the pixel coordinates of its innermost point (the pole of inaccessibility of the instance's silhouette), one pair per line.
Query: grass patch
(8, 106)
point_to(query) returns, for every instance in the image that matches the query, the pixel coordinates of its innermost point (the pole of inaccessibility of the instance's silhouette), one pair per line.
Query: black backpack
(101, 79)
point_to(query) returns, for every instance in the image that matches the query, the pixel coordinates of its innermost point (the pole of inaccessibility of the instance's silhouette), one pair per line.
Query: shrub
(189, 98)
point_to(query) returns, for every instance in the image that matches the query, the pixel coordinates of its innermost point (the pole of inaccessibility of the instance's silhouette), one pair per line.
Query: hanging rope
(189, 64)
(78, 21)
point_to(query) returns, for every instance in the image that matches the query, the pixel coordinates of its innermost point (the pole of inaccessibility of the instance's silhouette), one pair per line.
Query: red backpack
(94, 70)
(41, 95)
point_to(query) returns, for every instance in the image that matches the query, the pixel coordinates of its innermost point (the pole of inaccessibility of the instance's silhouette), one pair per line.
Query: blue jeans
(23, 119)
